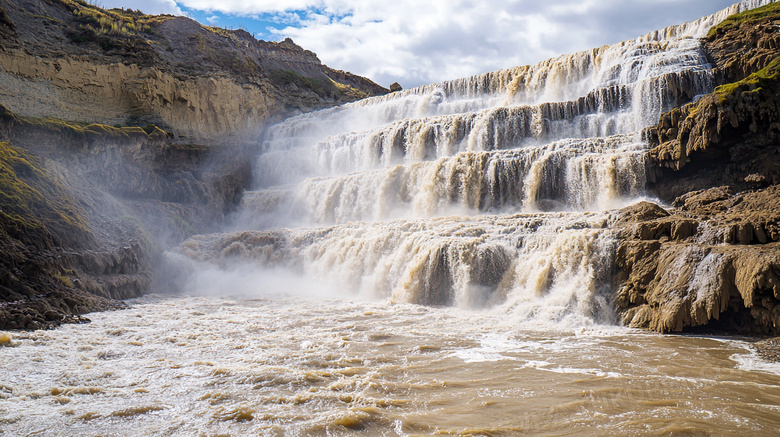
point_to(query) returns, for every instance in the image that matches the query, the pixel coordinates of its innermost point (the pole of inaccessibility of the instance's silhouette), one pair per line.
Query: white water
(282, 364)
(435, 261)
(444, 194)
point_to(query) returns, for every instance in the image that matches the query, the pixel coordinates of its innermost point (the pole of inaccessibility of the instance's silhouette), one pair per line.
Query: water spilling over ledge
(443, 260)
(415, 196)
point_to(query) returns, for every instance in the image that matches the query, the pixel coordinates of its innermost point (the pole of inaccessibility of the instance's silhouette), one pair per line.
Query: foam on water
(296, 365)
(442, 195)
(434, 261)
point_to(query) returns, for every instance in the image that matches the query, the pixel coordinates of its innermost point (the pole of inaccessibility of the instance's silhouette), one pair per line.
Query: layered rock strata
(70, 60)
(161, 112)
(712, 260)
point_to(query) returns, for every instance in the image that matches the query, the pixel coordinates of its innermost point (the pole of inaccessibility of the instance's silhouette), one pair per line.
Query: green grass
(82, 129)
(114, 28)
(755, 83)
(349, 91)
(34, 208)
(321, 87)
(769, 10)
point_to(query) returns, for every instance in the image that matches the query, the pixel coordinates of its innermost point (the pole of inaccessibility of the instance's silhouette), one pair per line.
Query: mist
(491, 191)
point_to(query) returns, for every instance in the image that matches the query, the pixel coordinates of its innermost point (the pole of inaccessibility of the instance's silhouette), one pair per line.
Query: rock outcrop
(736, 129)
(715, 260)
(70, 60)
(712, 260)
(86, 211)
(86, 208)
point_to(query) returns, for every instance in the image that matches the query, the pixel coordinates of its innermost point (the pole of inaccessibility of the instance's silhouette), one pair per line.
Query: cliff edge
(711, 261)
(70, 60)
(122, 134)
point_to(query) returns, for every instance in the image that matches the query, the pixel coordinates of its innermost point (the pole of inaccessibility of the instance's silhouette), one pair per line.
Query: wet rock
(756, 180)
(710, 262)
(640, 212)
(769, 349)
(728, 137)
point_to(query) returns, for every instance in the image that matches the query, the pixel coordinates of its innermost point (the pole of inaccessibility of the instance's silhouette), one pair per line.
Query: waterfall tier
(492, 190)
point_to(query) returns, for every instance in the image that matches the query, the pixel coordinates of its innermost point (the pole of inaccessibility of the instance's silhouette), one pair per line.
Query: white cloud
(414, 42)
(423, 42)
(152, 7)
(213, 19)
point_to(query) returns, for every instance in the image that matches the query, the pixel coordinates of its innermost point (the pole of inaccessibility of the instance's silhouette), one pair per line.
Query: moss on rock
(769, 10)
(34, 208)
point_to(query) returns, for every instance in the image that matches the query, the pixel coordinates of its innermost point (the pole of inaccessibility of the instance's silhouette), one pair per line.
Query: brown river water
(470, 223)
(300, 366)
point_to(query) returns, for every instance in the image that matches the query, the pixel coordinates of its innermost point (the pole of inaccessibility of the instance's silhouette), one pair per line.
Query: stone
(170, 77)
(51, 316)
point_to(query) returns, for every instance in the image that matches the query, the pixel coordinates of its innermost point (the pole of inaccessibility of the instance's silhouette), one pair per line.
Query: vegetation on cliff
(749, 16)
(124, 67)
(88, 204)
(732, 112)
(712, 261)
(736, 128)
(112, 29)
(38, 216)
(84, 207)
(34, 208)
(327, 88)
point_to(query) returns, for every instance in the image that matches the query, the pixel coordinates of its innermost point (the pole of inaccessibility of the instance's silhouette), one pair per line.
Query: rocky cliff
(87, 209)
(160, 111)
(711, 261)
(70, 60)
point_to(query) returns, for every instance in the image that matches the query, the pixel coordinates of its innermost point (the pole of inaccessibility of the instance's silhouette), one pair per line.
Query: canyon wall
(69, 60)
(712, 260)
(122, 134)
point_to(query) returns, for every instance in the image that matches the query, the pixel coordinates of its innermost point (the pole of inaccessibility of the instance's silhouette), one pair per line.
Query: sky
(416, 42)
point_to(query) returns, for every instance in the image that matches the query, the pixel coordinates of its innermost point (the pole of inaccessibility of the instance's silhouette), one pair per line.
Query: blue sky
(416, 43)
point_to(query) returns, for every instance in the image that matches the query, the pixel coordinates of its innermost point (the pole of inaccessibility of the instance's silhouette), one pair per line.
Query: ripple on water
(311, 368)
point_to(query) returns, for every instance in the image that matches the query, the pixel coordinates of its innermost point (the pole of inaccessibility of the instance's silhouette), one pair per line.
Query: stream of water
(437, 261)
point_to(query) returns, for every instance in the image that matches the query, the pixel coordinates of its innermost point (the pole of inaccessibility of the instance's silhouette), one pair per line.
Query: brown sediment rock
(193, 80)
(744, 44)
(768, 349)
(93, 205)
(735, 129)
(714, 260)
(115, 93)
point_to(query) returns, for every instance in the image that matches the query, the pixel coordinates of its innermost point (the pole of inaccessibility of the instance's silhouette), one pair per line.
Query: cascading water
(443, 194)
(434, 261)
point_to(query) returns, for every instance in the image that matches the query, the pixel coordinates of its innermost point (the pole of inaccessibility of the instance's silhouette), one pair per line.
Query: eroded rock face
(95, 205)
(742, 48)
(93, 208)
(80, 89)
(736, 129)
(195, 81)
(714, 260)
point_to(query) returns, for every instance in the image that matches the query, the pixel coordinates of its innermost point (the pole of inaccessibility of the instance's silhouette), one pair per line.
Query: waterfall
(488, 191)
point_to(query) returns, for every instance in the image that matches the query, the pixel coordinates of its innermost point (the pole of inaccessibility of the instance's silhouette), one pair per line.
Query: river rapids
(436, 261)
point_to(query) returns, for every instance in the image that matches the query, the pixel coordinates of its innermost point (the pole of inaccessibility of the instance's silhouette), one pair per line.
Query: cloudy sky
(419, 42)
